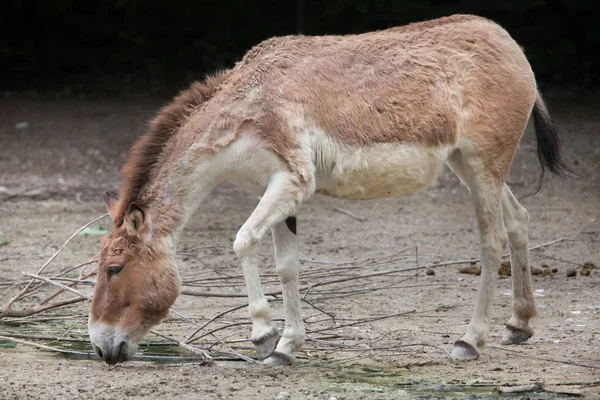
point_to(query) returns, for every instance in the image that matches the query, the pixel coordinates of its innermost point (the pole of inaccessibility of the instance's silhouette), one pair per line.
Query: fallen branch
(341, 278)
(40, 309)
(188, 340)
(519, 389)
(207, 358)
(6, 307)
(59, 291)
(349, 213)
(363, 321)
(60, 285)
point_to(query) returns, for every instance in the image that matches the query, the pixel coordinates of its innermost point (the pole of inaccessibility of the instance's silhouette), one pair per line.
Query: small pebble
(585, 272)
(571, 272)
(546, 272)
(22, 125)
(283, 395)
(429, 272)
(536, 271)
(554, 270)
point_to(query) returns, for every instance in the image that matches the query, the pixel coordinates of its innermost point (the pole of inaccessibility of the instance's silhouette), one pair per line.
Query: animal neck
(164, 174)
(175, 194)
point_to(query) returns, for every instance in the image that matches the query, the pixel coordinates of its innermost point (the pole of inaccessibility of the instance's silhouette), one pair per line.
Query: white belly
(382, 170)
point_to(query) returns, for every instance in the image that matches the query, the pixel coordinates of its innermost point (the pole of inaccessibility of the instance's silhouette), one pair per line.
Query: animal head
(137, 283)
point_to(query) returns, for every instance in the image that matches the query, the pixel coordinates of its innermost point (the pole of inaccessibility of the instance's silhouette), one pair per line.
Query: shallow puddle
(384, 379)
(79, 347)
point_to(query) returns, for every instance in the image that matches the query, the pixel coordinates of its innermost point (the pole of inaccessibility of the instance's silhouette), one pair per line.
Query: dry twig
(6, 307)
(349, 213)
(323, 280)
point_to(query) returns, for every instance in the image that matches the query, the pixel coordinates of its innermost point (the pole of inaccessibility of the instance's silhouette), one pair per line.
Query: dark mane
(145, 153)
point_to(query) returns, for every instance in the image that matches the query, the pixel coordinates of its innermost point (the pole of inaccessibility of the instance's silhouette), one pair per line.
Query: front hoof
(464, 351)
(265, 343)
(278, 358)
(515, 335)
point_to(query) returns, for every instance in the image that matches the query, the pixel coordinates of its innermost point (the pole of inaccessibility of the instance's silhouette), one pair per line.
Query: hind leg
(515, 221)
(486, 193)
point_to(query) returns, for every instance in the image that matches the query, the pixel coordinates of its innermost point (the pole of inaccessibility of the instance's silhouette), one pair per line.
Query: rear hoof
(278, 358)
(463, 351)
(515, 335)
(265, 343)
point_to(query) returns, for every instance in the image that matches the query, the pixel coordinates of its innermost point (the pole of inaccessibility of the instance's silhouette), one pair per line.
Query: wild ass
(356, 117)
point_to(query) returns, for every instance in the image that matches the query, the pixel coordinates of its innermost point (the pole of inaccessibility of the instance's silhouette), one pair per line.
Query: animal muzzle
(111, 343)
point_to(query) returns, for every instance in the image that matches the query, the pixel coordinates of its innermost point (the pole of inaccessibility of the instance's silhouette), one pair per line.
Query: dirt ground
(54, 168)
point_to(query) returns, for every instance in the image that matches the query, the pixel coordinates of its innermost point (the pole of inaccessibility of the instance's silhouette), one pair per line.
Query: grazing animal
(356, 117)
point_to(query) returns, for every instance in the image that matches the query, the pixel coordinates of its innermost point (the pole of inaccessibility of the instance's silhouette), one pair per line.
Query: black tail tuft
(548, 144)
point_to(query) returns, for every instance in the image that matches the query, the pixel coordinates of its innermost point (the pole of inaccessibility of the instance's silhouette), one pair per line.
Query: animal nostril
(122, 356)
(98, 351)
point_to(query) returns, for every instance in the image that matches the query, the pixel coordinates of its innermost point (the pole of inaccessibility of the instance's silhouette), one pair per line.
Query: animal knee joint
(244, 243)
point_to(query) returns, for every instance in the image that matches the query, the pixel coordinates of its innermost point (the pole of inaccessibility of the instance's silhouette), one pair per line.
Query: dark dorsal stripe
(291, 224)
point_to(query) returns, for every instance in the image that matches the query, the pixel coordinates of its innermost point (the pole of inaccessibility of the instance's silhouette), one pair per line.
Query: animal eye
(114, 270)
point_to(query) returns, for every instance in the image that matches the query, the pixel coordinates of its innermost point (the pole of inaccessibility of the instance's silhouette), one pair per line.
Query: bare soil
(54, 170)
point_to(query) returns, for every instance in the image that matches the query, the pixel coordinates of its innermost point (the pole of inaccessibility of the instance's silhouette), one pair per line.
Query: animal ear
(111, 201)
(134, 219)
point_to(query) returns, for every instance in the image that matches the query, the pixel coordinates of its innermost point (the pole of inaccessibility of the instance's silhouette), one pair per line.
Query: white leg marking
(286, 259)
(515, 221)
(280, 200)
(486, 195)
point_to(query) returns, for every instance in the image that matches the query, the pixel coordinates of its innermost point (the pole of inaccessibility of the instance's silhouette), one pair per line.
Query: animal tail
(548, 144)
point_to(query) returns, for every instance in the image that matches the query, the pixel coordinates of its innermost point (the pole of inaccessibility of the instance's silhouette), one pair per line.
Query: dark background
(129, 46)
